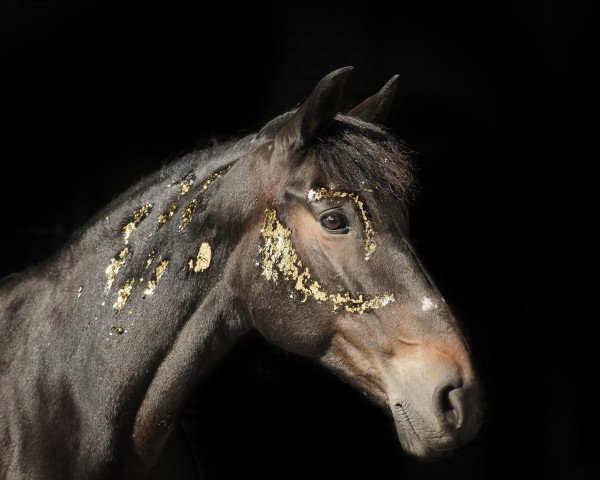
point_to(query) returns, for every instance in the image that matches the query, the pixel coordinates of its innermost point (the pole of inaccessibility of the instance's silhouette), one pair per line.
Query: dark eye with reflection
(334, 222)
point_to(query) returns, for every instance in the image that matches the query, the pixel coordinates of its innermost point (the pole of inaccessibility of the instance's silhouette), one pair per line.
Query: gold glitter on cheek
(153, 282)
(137, 217)
(320, 193)
(123, 294)
(114, 267)
(280, 258)
(202, 258)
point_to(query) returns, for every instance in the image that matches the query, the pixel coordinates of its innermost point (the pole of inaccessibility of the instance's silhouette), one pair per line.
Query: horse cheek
(296, 328)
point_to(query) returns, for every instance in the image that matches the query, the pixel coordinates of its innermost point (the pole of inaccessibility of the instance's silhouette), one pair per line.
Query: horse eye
(335, 222)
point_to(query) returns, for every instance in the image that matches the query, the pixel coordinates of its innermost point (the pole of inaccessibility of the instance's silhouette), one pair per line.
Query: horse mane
(201, 162)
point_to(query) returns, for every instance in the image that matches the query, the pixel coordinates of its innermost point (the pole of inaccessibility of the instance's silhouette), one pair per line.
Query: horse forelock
(357, 155)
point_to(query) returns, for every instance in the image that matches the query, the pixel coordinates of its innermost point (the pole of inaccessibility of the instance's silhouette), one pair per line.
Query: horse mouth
(413, 443)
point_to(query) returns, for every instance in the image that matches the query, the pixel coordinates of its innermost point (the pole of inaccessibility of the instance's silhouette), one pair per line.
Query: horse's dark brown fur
(95, 375)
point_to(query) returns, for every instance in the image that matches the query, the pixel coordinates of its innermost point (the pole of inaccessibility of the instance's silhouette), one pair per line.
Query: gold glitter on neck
(150, 259)
(202, 258)
(165, 217)
(280, 258)
(188, 213)
(186, 184)
(123, 294)
(213, 177)
(153, 282)
(115, 265)
(137, 217)
(189, 210)
(320, 193)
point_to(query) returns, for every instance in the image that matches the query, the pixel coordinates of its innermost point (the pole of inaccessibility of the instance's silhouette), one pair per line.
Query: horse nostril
(449, 406)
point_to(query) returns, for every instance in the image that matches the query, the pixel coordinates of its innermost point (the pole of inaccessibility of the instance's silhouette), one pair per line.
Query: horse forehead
(305, 169)
(294, 176)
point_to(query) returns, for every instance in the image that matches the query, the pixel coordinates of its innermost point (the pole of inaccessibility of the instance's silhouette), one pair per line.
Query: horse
(298, 231)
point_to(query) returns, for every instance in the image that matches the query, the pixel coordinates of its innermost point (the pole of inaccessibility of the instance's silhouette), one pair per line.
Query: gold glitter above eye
(189, 210)
(137, 217)
(280, 258)
(123, 294)
(202, 258)
(320, 193)
(113, 268)
(153, 282)
(165, 217)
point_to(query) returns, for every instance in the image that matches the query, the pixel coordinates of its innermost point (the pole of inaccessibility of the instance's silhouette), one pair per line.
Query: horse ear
(317, 112)
(375, 109)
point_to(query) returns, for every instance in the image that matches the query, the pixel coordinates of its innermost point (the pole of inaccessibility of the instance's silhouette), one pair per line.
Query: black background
(495, 98)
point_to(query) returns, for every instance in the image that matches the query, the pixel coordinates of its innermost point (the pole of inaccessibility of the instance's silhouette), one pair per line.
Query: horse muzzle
(436, 407)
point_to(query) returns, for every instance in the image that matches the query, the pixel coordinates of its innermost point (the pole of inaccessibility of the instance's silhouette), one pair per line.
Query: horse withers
(298, 231)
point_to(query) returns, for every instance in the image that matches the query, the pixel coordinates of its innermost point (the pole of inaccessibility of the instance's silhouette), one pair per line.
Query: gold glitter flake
(137, 217)
(188, 213)
(150, 259)
(280, 258)
(202, 258)
(213, 177)
(189, 210)
(114, 267)
(123, 294)
(186, 184)
(165, 217)
(153, 282)
(320, 193)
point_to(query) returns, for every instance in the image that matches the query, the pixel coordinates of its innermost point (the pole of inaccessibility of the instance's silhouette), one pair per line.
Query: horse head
(337, 279)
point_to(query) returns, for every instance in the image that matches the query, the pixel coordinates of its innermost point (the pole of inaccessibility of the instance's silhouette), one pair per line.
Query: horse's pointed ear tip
(344, 71)
(392, 81)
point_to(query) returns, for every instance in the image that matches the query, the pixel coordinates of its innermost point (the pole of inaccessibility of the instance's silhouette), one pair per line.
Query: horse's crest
(203, 256)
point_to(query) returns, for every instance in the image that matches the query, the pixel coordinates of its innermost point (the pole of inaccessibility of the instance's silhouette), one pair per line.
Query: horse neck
(158, 249)
(134, 332)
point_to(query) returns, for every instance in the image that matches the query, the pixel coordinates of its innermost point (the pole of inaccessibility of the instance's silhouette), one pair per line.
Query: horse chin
(413, 443)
